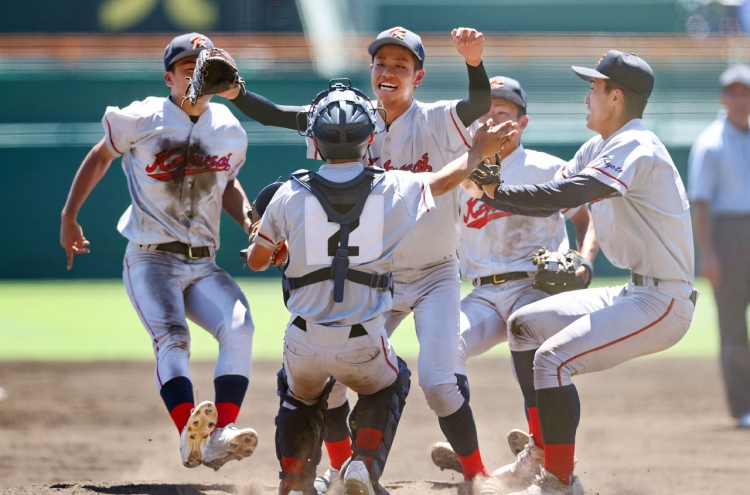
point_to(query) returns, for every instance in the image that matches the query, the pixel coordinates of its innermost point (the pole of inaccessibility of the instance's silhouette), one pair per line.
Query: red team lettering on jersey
(479, 214)
(190, 164)
(418, 167)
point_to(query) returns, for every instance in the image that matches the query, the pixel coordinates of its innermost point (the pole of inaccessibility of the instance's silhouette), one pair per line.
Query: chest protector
(343, 202)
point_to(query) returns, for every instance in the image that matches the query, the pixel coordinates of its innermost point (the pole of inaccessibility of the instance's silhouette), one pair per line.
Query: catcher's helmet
(342, 119)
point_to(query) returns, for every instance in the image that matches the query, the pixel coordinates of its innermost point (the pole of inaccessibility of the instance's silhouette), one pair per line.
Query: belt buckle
(190, 253)
(496, 281)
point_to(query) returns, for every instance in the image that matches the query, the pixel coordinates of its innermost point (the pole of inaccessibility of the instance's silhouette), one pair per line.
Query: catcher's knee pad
(299, 436)
(374, 420)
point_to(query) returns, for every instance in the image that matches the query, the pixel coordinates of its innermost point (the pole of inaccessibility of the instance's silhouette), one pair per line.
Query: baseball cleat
(547, 483)
(196, 432)
(357, 479)
(517, 440)
(229, 443)
(516, 475)
(444, 457)
(323, 483)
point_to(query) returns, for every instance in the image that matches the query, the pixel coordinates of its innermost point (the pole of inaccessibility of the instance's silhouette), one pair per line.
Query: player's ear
(169, 79)
(523, 122)
(418, 77)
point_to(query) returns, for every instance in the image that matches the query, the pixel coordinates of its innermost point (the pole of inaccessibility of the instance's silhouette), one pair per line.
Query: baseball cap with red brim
(185, 45)
(401, 37)
(624, 68)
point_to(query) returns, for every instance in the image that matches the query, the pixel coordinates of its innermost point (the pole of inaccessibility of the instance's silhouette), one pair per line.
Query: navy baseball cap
(736, 74)
(624, 68)
(398, 36)
(508, 89)
(184, 46)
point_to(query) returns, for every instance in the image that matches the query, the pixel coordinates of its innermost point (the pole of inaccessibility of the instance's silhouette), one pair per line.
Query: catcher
(500, 253)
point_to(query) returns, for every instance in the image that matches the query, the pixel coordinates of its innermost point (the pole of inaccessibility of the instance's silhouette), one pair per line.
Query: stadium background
(63, 61)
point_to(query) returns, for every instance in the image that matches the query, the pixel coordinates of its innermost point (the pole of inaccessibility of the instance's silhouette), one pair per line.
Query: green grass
(94, 320)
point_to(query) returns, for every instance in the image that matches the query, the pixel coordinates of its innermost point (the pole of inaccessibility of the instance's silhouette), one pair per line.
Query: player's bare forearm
(586, 241)
(91, 171)
(235, 203)
(488, 140)
(258, 257)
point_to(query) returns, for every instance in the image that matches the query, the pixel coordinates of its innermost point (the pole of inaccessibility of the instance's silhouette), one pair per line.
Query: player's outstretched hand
(72, 240)
(491, 138)
(470, 44)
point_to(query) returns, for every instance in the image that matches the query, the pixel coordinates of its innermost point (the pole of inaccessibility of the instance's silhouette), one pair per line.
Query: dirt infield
(653, 426)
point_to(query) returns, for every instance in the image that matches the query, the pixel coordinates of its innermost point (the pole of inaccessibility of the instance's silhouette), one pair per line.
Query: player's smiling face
(599, 104)
(394, 75)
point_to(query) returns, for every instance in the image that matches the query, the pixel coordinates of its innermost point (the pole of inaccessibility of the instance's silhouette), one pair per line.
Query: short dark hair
(417, 62)
(635, 104)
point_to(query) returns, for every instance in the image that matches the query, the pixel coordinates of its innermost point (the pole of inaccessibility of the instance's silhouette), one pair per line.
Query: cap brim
(588, 74)
(187, 53)
(509, 95)
(373, 47)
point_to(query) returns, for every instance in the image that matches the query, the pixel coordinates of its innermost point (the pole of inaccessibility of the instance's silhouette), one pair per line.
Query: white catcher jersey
(176, 170)
(425, 138)
(493, 241)
(646, 225)
(392, 208)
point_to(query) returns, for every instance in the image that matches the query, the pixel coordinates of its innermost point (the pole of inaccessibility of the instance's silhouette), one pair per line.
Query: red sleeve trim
(459, 130)
(562, 171)
(109, 128)
(266, 238)
(610, 176)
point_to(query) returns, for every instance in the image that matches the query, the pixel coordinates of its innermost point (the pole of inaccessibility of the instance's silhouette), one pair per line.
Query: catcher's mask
(342, 119)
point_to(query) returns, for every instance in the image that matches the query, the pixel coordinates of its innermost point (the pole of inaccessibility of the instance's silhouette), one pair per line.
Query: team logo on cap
(399, 33)
(497, 84)
(600, 60)
(198, 41)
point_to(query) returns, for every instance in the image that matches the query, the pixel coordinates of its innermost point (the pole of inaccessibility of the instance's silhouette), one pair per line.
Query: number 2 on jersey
(365, 238)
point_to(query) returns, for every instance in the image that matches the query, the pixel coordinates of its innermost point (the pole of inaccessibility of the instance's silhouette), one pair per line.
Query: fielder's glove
(556, 271)
(485, 174)
(215, 72)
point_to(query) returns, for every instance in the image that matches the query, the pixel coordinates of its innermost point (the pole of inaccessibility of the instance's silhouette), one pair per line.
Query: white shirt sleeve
(618, 163)
(273, 227)
(121, 127)
(702, 173)
(449, 131)
(415, 193)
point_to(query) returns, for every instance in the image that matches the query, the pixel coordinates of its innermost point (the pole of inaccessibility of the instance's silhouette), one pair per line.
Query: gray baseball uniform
(495, 242)
(177, 172)
(645, 227)
(324, 348)
(425, 138)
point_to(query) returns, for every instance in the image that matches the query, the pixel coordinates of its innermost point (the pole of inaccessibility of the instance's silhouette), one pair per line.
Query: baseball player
(342, 226)
(181, 165)
(642, 218)
(496, 249)
(423, 137)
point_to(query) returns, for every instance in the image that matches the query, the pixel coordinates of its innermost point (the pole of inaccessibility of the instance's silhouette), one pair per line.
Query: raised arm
(91, 171)
(265, 111)
(470, 44)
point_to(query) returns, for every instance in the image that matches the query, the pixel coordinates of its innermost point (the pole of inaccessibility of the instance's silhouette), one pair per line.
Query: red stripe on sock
(535, 426)
(227, 412)
(339, 452)
(559, 460)
(180, 414)
(473, 465)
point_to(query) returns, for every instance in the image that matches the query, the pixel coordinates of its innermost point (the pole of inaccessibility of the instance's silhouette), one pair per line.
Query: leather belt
(356, 331)
(638, 279)
(179, 248)
(500, 278)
